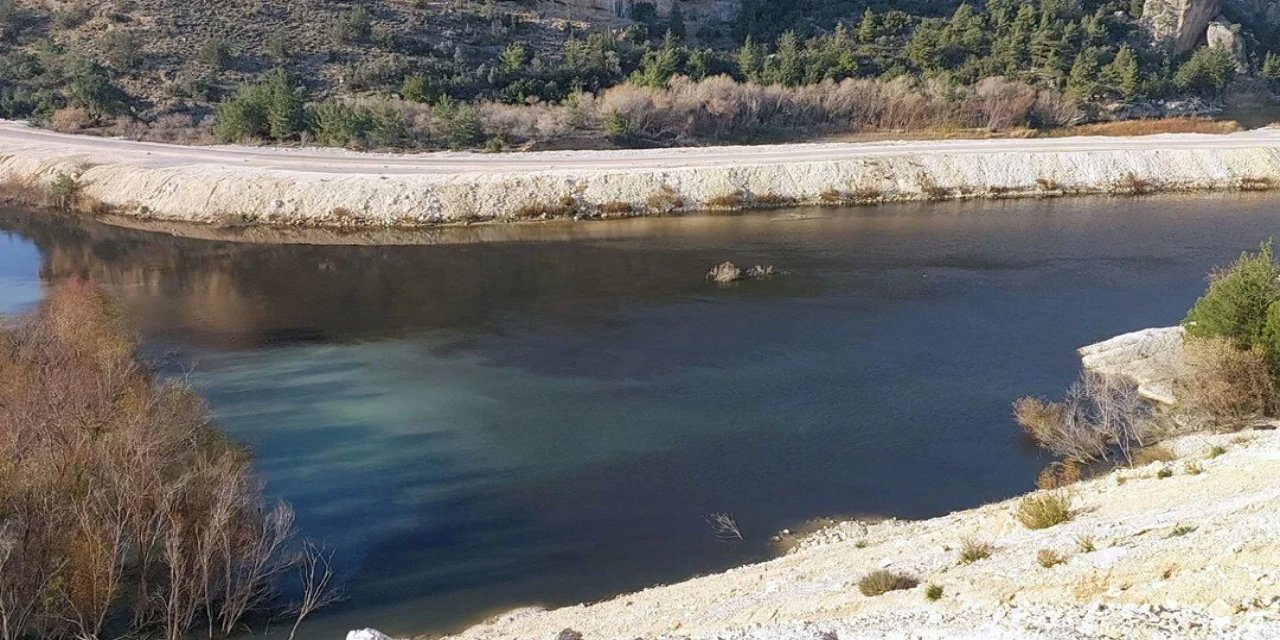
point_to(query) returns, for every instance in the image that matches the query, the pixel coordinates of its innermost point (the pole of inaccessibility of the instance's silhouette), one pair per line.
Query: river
(548, 421)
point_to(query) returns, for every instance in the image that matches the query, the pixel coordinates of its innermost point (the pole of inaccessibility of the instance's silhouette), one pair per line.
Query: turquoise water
(480, 427)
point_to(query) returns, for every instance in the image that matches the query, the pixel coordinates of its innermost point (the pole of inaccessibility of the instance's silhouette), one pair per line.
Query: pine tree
(1082, 82)
(869, 28)
(749, 59)
(1122, 76)
(1271, 66)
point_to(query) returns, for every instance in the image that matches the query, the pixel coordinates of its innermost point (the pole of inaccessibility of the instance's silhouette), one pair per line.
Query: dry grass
(1133, 184)
(972, 550)
(616, 208)
(727, 202)
(1044, 510)
(878, 583)
(1258, 184)
(1154, 453)
(1147, 127)
(665, 201)
(565, 207)
(1049, 558)
(1057, 475)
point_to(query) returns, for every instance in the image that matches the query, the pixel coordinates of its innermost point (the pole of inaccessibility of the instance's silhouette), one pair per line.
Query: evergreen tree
(1082, 82)
(1271, 66)
(1207, 71)
(750, 59)
(869, 27)
(1122, 76)
(788, 65)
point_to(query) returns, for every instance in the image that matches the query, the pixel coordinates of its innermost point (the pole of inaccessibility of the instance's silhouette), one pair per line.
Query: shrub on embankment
(123, 511)
(1227, 379)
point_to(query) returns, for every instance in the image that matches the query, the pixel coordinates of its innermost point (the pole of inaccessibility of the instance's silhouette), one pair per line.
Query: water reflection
(477, 427)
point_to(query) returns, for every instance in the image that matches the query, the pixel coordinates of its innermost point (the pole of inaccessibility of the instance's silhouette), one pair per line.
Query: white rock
(367, 634)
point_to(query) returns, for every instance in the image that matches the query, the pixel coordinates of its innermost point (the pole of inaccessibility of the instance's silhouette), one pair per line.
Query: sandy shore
(246, 185)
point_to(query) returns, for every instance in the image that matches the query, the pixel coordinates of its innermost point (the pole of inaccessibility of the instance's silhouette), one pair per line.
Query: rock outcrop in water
(1149, 358)
(727, 272)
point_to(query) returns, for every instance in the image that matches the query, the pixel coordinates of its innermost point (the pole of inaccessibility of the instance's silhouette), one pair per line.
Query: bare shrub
(123, 511)
(1100, 417)
(725, 527)
(1044, 510)
(1220, 387)
(1004, 103)
(878, 583)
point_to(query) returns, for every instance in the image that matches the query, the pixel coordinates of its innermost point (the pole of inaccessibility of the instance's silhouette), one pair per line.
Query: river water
(549, 421)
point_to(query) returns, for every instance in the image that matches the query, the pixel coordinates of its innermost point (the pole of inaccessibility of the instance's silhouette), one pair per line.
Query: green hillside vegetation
(423, 73)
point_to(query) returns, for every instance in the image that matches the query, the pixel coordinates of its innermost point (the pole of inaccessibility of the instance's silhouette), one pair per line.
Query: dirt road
(15, 135)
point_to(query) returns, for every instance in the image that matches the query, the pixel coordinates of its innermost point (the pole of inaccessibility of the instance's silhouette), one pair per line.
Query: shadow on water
(481, 426)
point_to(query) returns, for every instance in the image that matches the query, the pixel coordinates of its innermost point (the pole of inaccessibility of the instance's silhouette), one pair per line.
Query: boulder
(1179, 24)
(724, 273)
(367, 634)
(1227, 36)
(1150, 358)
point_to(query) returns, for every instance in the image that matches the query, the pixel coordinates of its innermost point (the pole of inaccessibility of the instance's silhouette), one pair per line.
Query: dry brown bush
(1220, 387)
(123, 510)
(1059, 474)
(70, 120)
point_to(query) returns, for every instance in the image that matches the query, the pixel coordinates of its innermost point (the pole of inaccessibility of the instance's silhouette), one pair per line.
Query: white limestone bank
(332, 187)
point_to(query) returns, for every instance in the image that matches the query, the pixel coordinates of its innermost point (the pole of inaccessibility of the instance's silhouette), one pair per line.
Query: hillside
(399, 73)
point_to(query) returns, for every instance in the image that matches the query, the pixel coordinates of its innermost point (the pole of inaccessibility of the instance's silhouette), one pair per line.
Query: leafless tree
(1099, 416)
(315, 576)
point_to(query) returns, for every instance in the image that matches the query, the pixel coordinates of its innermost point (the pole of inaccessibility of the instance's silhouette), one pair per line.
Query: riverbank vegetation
(1228, 379)
(124, 512)
(500, 75)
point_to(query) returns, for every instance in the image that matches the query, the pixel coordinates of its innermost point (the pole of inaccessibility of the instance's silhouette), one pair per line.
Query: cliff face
(1179, 23)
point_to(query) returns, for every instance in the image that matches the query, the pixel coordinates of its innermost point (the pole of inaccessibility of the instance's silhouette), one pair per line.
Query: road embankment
(327, 187)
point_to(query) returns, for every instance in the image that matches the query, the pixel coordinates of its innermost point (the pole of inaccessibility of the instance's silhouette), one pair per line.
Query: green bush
(270, 109)
(1207, 71)
(1238, 302)
(216, 53)
(339, 124)
(122, 48)
(94, 91)
(461, 124)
